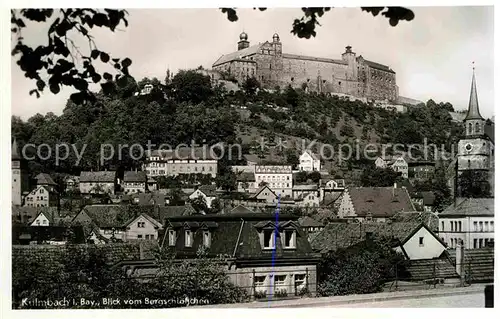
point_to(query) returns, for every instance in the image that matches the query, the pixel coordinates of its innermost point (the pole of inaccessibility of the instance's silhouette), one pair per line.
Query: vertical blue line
(274, 249)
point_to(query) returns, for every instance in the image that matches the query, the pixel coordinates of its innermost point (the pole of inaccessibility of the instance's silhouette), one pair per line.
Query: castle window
(470, 128)
(477, 127)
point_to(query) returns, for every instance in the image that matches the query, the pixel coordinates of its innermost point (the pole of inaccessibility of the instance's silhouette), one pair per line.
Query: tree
(291, 97)
(199, 204)
(216, 207)
(379, 177)
(305, 26)
(176, 196)
(58, 64)
(301, 177)
(251, 85)
(191, 86)
(314, 176)
(227, 181)
(474, 183)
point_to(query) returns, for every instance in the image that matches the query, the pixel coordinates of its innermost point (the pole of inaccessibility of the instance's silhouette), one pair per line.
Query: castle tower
(20, 178)
(351, 73)
(475, 149)
(243, 43)
(277, 47)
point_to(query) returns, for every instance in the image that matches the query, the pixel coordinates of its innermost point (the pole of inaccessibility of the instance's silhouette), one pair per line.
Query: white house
(279, 178)
(470, 221)
(265, 194)
(134, 182)
(309, 162)
(142, 227)
(422, 243)
(307, 195)
(42, 196)
(45, 218)
(100, 182)
(207, 192)
(397, 163)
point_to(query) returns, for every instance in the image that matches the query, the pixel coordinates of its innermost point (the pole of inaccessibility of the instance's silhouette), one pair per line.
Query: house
(469, 221)
(72, 183)
(264, 194)
(45, 218)
(335, 185)
(306, 195)
(424, 201)
(309, 162)
(142, 226)
(100, 182)
(207, 192)
(415, 241)
(154, 198)
(277, 177)
(310, 225)
(252, 159)
(42, 196)
(421, 169)
(379, 203)
(134, 182)
(46, 180)
(181, 160)
(383, 161)
(152, 184)
(398, 163)
(243, 244)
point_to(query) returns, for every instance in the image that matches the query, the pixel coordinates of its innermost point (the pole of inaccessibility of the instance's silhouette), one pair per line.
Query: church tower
(243, 43)
(475, 148)
(20, 178)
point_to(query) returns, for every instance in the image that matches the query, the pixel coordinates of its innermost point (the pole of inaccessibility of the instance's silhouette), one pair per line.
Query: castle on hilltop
(351, 75)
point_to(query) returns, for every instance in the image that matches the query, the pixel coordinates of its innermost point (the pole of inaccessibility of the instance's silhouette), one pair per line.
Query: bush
(260, 294)
(280, 293)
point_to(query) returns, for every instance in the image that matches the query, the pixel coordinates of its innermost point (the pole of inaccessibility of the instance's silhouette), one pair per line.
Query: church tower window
(477, 127)
(470, 128)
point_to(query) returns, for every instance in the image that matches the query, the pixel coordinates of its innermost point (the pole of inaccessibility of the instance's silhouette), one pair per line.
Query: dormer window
(171, 237)
(289, 239)
(207, 238)
(267, 240)
(188, 238)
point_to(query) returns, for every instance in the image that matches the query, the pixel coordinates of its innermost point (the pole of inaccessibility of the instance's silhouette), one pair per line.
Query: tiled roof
(101, 176)
(26, 215)
(47, 233)
(310, 58)
(245, 177)
(239, 236)
(45, 179)
(208, 190)
(183, 153)
(330, 198)
(379, 201)
(423, 269)
(471, 207)
(262, 188)
(238, 55)
(312, 154)
(478, 263)
(343, 235)
(132, 176)
(379, 66)
(307, 221)
(241, 210)
(146, 199)
(305, 187)
(429, 219)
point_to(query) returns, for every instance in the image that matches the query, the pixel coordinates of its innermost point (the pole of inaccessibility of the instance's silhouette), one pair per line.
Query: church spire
(473, 112)
(15, 151)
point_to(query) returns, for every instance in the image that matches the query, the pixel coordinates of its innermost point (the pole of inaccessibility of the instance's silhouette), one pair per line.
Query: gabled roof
(245, 177)
(100, 176)
(343, 235)
(45, 179)
(241, 210)
(379, 201)
(238, 55)
(312, 154)
(378, 66)
(26, 215)
(146, 216)
(307, 221)
(261, 189)
(45, 187)
(208, 190)
(471, 207)
(131, 176)
(305, 187)
(330, 198)
(52, 215)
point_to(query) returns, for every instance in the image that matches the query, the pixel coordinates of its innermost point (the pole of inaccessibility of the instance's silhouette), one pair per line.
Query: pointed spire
(473, 113)
(15, 151)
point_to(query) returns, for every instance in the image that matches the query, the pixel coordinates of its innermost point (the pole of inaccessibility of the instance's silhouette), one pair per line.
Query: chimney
(460, 260)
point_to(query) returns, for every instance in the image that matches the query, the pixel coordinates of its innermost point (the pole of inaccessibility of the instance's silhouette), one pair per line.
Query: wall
(132, 230)
(431, 248)
(243, 277)
(346, 207)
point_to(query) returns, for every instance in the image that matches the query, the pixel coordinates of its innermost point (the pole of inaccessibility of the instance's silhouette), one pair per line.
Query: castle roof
(238, 55)
(473, 112)
(305, 57)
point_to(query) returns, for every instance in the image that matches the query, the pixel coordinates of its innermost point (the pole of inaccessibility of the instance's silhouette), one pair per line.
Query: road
(460, 301)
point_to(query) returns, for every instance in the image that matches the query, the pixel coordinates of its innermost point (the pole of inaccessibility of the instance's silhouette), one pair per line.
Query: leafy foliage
(61, 62)
(191, 86)
(474, 183)
(359, 269)
(379, 177)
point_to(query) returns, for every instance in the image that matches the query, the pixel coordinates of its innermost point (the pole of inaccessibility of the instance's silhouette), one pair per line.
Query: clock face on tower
(468, 147)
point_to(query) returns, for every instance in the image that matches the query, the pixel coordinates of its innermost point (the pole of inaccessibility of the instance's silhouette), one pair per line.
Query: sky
(431, 55)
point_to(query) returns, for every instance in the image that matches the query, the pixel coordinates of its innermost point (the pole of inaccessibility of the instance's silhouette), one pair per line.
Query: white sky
(432, 55)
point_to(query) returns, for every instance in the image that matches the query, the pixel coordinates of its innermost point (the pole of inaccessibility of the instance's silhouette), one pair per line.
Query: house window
(421, 241)
(44, 222)
(147, 236)
(38, 222)
(451, 226)
(475, 226)
(41, 190)
(279, 282)
(459, 226)
(480, 242)
(289, 239)
(188, 238)
(442, 225)
(139, 236)
(481, 226)
(475, 242)
(491, 226)
(171, 237)
(268, 239)
(206, 238)
(141, 224)
(259, 283)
